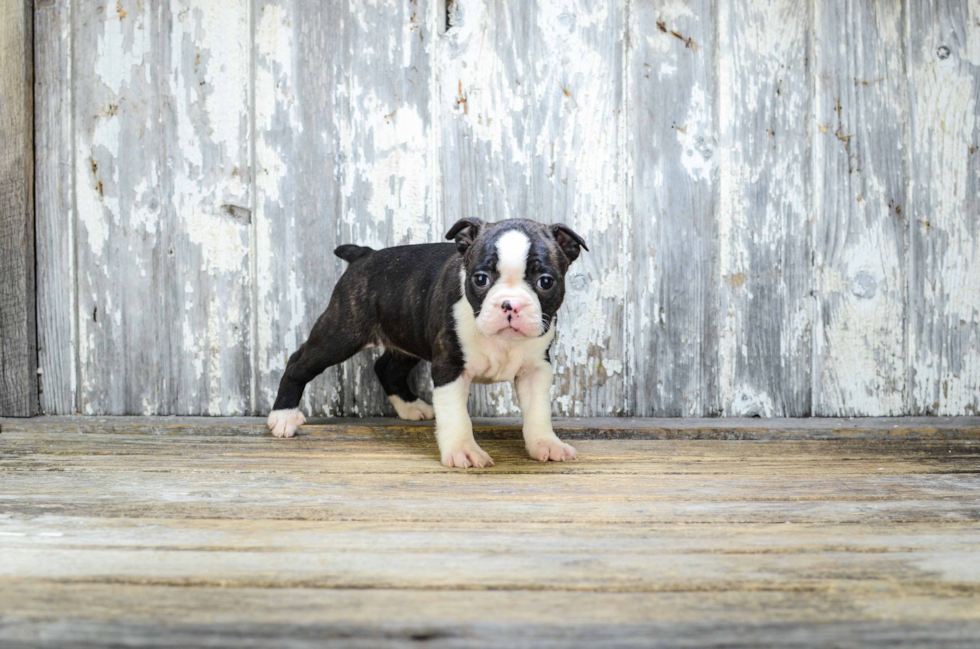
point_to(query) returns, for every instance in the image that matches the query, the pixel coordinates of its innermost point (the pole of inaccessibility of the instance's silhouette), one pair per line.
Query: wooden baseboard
(883, 428)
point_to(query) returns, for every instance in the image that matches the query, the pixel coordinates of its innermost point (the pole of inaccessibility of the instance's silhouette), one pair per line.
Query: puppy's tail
(349, 252)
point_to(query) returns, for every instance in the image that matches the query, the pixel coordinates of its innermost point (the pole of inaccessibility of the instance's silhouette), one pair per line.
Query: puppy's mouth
(510, 331)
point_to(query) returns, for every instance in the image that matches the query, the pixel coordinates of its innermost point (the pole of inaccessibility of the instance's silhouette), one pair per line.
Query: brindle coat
(402, 299)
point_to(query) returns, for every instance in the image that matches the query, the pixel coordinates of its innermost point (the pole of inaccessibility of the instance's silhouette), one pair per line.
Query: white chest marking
(490, 360)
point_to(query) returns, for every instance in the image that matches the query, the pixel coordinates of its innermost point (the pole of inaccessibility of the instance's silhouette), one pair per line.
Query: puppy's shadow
(501, 438)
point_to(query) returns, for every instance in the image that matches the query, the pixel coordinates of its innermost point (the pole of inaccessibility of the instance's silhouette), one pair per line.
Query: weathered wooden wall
(781, 197)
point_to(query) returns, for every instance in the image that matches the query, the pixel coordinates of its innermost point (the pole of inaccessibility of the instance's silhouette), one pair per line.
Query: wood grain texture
(354, 536)
(765, 281)
(18, 320)
(344, 156)
(391, 157)
(674, 140)
(122, 233)
(532, 99)
(860, 208)
(777, 196)
(944, 232)
(206, 617)
(161, 178)
(206, 114)
(298, 104)
(54, 217)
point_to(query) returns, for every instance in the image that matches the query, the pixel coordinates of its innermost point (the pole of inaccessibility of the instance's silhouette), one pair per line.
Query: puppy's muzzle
(513, 313)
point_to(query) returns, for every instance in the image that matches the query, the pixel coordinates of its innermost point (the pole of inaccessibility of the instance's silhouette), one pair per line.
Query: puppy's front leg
(454, 430)
(534, 396)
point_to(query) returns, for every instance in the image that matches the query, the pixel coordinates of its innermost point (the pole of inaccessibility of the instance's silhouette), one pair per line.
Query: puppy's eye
(481, 279)
(545, 283)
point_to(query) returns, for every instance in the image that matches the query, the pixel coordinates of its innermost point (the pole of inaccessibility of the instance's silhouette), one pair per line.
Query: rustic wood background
(781, 197)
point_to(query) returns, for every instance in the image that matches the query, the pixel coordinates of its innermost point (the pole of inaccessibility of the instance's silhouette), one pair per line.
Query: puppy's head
(514, 273)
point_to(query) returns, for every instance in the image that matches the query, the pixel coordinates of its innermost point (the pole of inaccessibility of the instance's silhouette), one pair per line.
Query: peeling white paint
(89, 208)
(278, 333)
(763, 199)
(223, 242)
(395, 174)
(122, 49)
(274, 72)
(732, 210)
(859, 356)
(747, 402)
(946, 367)
(420, 128)
(695, 138)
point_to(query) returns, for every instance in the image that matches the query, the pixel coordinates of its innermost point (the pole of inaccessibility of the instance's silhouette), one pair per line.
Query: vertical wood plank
(860, 208)
(120, 212)
(483, 95)
(944, 269)
(161, 194)
(54, 207)
(674, 142)
(344, 155)
(532, 100)
(765, 253)
(577, 65)
(298, 64)
(389, 191)
(18, 333)
(206, 125)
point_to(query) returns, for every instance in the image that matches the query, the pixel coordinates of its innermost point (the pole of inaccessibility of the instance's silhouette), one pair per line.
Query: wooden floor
(196, 532)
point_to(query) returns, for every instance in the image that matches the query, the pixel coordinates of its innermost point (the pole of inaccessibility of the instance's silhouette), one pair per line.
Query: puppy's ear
(570, 243)
(465, 232)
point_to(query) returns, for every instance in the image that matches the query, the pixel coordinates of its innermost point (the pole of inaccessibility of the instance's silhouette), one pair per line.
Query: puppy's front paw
(551, 448)
(464, 455)
(283, 423)
(413, 411)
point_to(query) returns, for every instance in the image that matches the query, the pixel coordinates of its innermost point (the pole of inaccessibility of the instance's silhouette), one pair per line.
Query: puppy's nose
(506, 306)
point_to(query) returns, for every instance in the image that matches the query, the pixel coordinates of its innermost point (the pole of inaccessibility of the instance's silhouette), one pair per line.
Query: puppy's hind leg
(393, 369)
(330, 342)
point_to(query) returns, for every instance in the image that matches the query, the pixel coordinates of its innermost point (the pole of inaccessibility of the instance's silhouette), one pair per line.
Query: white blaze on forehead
(512, 249)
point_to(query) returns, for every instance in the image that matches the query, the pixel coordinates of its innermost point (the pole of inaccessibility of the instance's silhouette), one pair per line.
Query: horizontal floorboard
(209, 532)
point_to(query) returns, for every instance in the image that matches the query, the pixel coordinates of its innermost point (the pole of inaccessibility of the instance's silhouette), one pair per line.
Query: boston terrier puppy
(482, 309)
